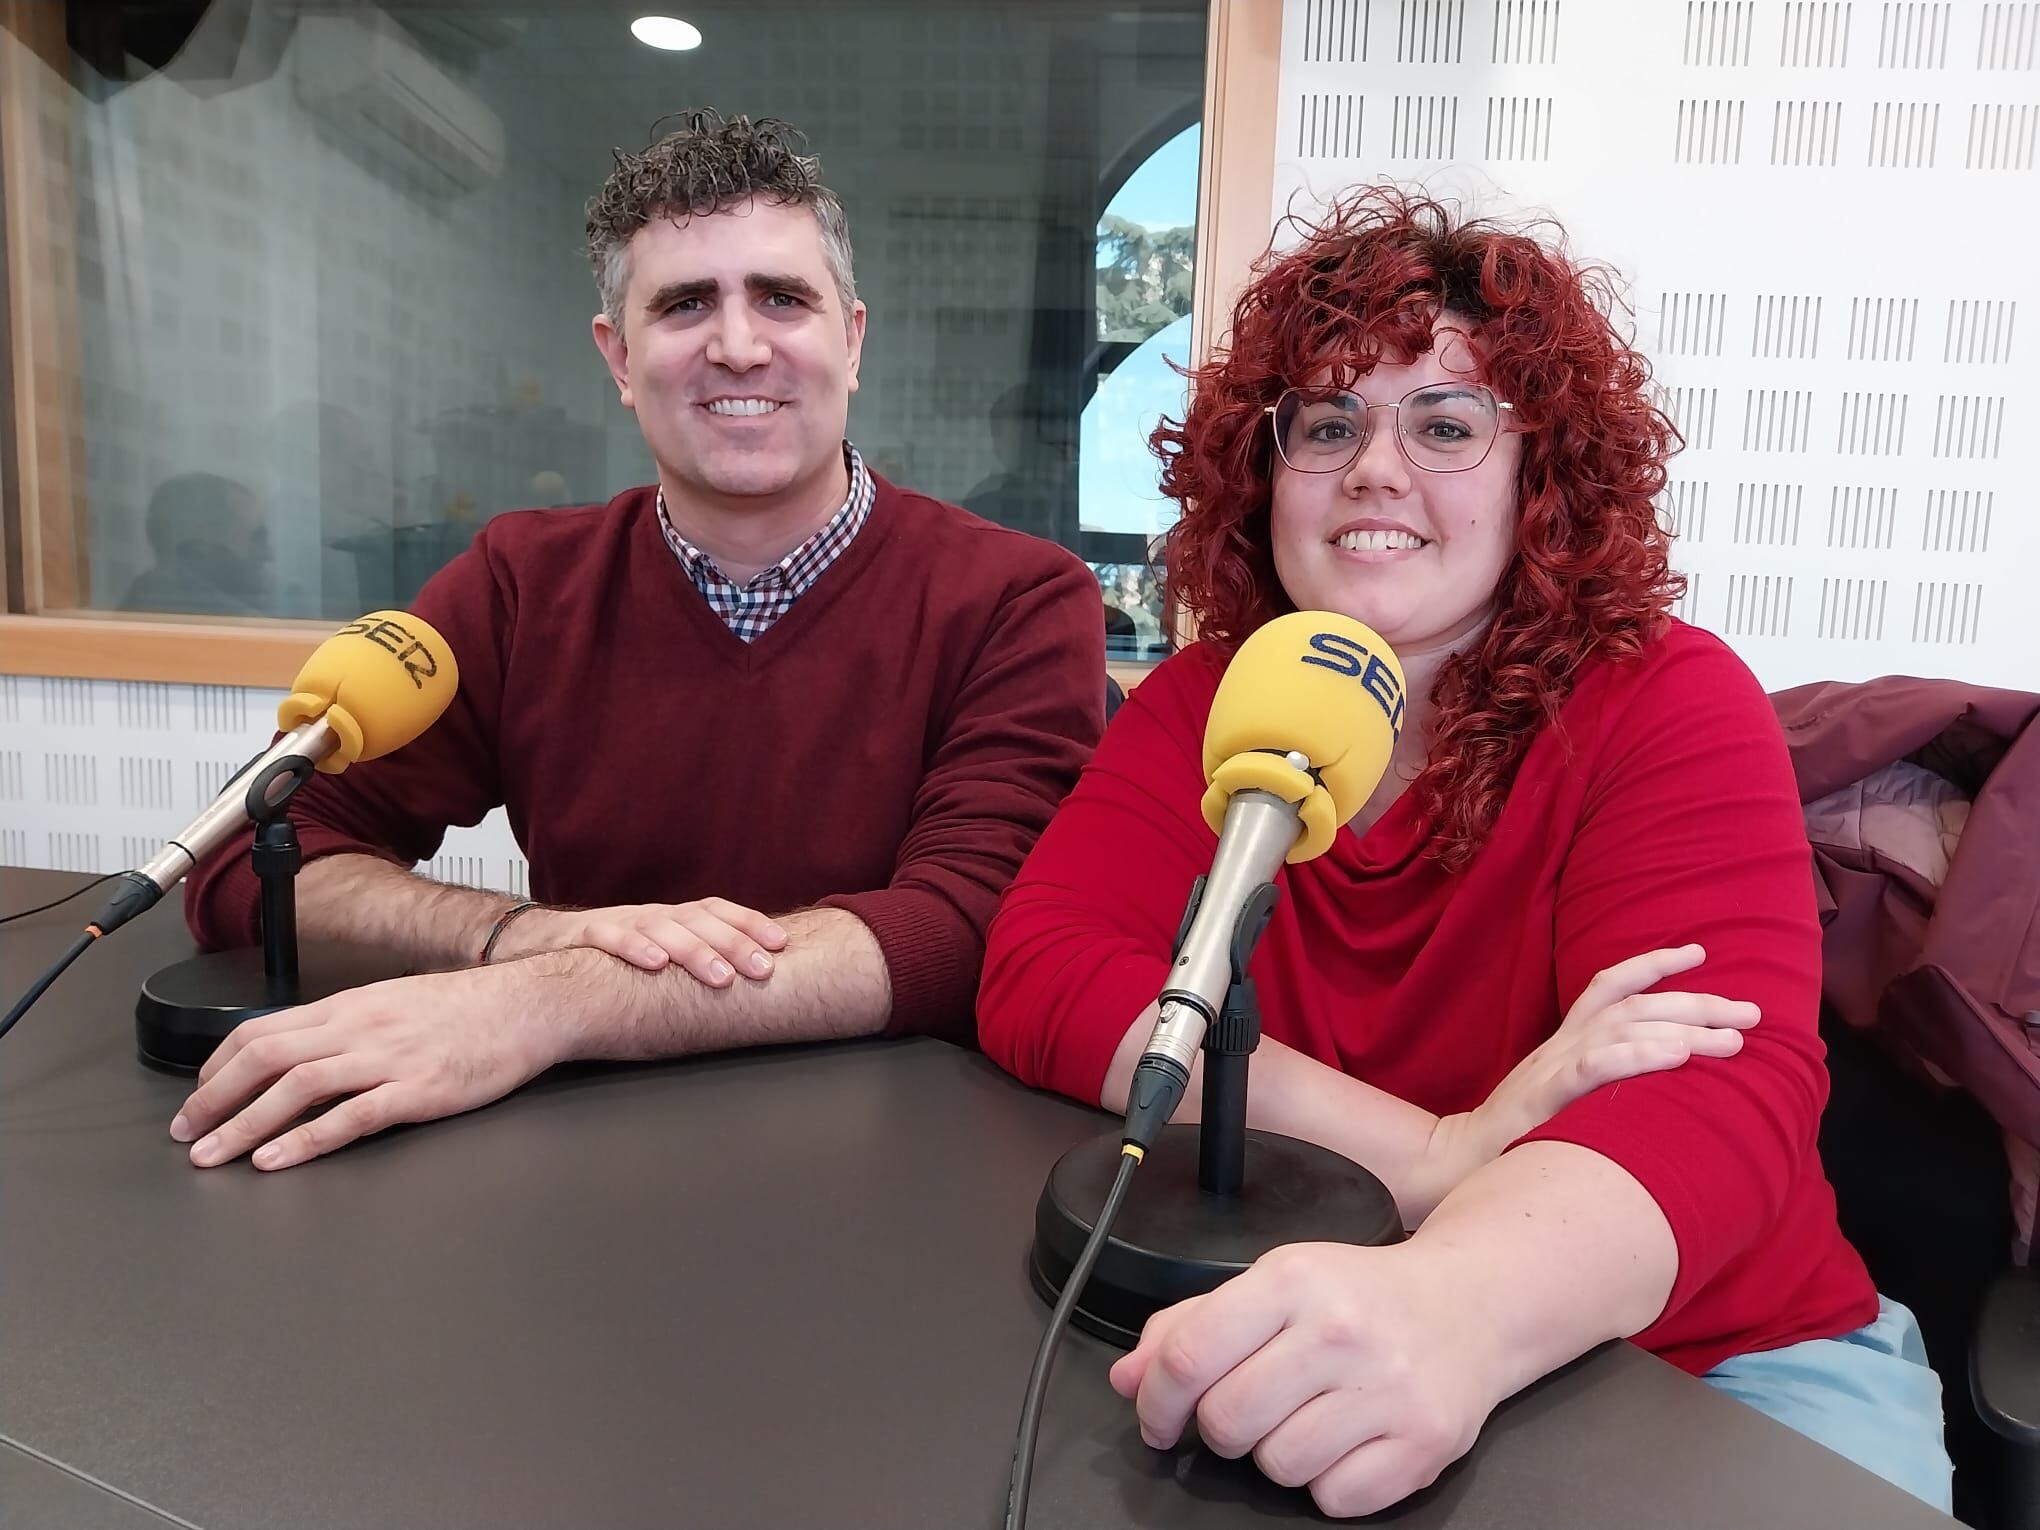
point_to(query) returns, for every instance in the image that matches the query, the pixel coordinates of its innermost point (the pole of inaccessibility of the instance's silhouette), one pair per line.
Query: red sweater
(1662, 810)
(892, 746)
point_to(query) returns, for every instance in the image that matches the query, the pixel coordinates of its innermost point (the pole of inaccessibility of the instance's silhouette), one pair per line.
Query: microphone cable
(1051, 1338)
(77, 949)
(44, 908)
(138, 893)
(135, 894)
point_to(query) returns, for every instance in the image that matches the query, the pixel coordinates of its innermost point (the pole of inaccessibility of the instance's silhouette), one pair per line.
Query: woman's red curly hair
(1590, 574)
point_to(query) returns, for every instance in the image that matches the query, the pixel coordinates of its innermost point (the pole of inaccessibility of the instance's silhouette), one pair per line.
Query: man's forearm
(1557, 1249)
(830, 982)
(371, 901)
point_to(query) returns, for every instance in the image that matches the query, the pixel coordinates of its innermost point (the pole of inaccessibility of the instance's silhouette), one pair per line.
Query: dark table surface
(779, 1289)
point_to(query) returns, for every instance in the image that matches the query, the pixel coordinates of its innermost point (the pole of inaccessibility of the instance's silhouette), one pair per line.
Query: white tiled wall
(96, 774)
(1825, 214)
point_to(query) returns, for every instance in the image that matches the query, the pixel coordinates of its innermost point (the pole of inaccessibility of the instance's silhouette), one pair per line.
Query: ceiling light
(668, 32)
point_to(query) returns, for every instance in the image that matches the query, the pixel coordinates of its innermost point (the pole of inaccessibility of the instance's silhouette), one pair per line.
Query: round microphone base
(1174, 1240)
(186, 1010)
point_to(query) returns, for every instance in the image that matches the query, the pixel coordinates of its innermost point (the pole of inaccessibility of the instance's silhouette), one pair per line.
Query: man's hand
(423, 1047)
(413, 1049)
(714, 939)
(1361, 1372)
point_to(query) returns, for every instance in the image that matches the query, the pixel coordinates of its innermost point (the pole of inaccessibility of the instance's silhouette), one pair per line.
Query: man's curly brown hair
(708, 164)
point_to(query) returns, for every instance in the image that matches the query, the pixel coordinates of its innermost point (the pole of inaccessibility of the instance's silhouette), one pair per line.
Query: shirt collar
(803, 565)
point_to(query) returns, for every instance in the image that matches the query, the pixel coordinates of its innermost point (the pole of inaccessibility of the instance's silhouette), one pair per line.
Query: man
(1037, 461)
(211, 542)
(772, 683)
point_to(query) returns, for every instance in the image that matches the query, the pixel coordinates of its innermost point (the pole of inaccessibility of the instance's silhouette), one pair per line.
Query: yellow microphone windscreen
(380, 681)
(1311, 683)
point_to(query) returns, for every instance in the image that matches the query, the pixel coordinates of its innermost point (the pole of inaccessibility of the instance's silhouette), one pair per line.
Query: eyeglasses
(1441, 428)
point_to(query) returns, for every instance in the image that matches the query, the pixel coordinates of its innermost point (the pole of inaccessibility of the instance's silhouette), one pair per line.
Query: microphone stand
(1191, 1221)
(187, 1009)
(1222, 1144)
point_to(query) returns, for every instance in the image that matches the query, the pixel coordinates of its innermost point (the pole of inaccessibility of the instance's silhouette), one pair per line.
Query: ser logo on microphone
(408, 647)
(1342, 655)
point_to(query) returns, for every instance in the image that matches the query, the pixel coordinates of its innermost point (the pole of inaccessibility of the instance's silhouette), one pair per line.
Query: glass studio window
(1147, 251)
(330, 311)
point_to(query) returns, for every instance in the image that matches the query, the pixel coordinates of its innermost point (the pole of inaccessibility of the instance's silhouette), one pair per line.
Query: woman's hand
(1360, 1373)
(1614, 1031)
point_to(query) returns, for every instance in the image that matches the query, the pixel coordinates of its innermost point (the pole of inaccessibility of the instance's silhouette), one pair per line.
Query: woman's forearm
(1415, 1154)
(1557, 1249)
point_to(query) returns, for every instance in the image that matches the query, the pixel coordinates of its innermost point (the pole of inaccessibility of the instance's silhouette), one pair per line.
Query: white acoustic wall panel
(96, 774)
(1823, 212)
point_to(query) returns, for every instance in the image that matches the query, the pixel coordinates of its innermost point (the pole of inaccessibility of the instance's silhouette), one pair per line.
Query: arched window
(1147, 240)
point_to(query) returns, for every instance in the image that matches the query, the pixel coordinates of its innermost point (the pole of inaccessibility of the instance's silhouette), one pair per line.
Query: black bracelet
(502, 923)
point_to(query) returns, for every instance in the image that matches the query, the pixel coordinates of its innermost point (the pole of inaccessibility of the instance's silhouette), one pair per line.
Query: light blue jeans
(1869, 1395)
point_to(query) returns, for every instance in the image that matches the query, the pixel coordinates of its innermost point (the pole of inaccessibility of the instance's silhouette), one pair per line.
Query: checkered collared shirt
(750, 609)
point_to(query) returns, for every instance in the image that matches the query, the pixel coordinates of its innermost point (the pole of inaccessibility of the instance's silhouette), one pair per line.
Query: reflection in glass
(209, 539)
(331, 255)
(1146, 253)
(1032, 440)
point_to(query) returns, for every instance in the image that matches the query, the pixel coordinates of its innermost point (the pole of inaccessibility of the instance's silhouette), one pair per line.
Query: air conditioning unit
(371, 86)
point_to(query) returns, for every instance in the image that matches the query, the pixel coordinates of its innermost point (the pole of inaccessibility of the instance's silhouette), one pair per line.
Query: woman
(1432, 426)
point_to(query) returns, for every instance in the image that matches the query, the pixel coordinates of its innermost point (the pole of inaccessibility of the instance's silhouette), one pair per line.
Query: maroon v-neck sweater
(892, 746)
